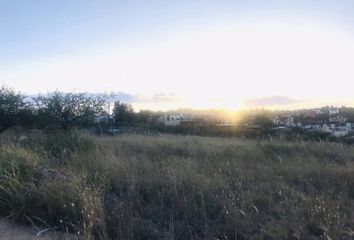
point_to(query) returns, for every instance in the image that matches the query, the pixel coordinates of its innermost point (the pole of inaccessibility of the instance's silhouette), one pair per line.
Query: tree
(263, 121)
(123, 113)
(145, 116)
(66, 110)
(12, 107)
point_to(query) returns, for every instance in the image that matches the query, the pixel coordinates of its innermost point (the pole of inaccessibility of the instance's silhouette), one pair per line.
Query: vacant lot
(173, 187)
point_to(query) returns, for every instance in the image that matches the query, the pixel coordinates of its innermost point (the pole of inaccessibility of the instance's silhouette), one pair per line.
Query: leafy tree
(145, 116)
(123, 113)
(66, 110)
(348, 112)
(12, 107)
(263, 121)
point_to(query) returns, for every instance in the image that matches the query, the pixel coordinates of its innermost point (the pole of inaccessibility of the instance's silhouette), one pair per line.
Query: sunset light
(231, 64)
(177, 119)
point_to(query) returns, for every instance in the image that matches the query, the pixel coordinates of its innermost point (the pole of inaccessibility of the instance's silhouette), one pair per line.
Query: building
(318, 111)
(333, 111)
(172, 120)
(316, 127)
(102, 118)
(289, 121)
(337, 130)
(326, 128)
(276, 120)
(340, 133)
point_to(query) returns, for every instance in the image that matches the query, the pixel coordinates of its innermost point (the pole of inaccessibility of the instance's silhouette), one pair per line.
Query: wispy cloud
(165, 98)
(273, 101)
(145, 99)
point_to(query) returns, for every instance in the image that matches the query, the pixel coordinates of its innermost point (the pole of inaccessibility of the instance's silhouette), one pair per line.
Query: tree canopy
(123, 113)
(12, 108)
(64, 110)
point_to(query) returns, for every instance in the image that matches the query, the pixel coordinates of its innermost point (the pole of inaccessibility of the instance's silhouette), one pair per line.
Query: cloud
(210, 67)
(157, 101)
(243, 59)
(145, 99)
(165, 98)
(272, 101)
(123, 97)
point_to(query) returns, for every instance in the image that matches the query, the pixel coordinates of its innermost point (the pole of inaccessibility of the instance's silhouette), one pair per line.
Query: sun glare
(207, 67)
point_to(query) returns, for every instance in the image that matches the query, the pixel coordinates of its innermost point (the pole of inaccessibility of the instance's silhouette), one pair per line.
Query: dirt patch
(13, 231)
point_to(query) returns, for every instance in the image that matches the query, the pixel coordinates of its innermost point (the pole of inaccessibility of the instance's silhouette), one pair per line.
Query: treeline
(124, 114)
(59, 110)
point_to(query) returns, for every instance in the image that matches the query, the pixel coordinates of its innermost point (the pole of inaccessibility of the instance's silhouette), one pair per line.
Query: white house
(340, 133)
(326, 128)
(333, 111)
(317, 111)
(276, 120)
(290, 122)
(172, 120)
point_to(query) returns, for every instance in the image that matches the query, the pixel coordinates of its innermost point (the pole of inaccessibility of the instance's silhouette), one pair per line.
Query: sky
(169, 54)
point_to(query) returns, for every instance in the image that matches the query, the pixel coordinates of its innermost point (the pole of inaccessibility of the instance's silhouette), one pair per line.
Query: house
(333, 111)
(276, 120)
(289, 121)
(172, 120)
(342, 119)
(333, 119)
(102, 118)
(317, 111)
(340, 133)
(340, 130)
(313, 127)
(326, 128)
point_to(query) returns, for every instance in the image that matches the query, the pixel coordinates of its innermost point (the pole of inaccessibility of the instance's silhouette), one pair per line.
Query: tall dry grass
(174, 187)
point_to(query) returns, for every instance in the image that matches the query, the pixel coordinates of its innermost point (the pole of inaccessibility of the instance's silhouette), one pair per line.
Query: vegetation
(67, 110)
(123, 113)
(13, 109)
(175, 187)
(276, 186)
(55, 110)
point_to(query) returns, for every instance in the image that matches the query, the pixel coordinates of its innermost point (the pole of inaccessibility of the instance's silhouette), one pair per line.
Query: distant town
(327, 121)
(101, 115)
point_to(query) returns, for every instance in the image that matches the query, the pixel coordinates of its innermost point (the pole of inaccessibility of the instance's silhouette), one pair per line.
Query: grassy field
(174, 187)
